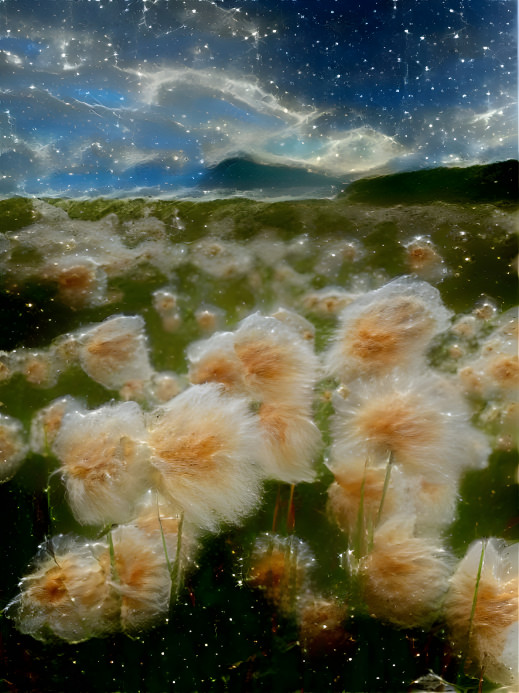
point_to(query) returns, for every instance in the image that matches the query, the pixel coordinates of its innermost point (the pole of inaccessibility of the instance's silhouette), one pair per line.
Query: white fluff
(204, 448)
(490, 639)
(13, 447)
(386, 328)
(292, 441)
(421, 419)
(115, 352)
(67, 595)
(104, 462)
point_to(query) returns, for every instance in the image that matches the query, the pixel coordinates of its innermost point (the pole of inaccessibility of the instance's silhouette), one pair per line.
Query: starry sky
(126, 97)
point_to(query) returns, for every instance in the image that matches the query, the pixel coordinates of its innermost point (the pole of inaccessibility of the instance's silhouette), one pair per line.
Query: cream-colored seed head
(387, 328)
(494, 373)
(66, 596)
(328, 301)
(404, 577)
(46, 423)
(115, 352)
(160, 520)
(277, 364)
(420, 420)
(304, 328)
(292, 441)
(489, 638)
(164, 385)
(357, 499)
(13, 447)
(209, 318)
(39, 367)
(321, 624)
(213, 360)
(280, 567)
(423, 258)
(205, 446)
(265, 359)
(140, 578)
(80, 280)
(104, 462)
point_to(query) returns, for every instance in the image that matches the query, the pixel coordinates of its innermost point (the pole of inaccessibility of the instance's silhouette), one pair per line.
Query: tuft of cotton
(278, 365)
(360, 495)
(80, 280)
(39, 367)
(205, 446)
(46, 423)
(281, 567)
(104, 461)
(421, 420)
(66, 595)
(213, 360)
(482, 614)
(266, 360)
(292, 441)
(387, 328)
(13, 446)
(404, 577)
(322, 625)
(115, 352)
(141, 579)
(494, 373)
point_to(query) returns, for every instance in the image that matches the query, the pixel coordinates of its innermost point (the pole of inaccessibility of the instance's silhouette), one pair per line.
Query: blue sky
(143, 96)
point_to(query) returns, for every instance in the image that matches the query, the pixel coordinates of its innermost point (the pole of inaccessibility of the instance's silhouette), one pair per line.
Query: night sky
(142, 97)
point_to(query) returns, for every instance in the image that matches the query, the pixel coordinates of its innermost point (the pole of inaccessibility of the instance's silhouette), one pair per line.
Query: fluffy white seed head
(357, 499)
(421, 420)
(486, 629)
(115, 352)
(160, 520)
(39, 367)
(265, 360)
(292, 441)
(386, 328)
(278, 365)
(13, 446)
(281, 568)
(494, 373)
(328, 301)
(46, 423)
(204, 448)
(140, 578)
(67, 594)
(80, 280)
(214, 360)
(422, 258)
(404, 578)
(104, 461)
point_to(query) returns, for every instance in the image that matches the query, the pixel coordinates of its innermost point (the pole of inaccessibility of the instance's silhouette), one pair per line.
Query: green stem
(113, 566)
(175, 572)
(385, 487)
(476, 588)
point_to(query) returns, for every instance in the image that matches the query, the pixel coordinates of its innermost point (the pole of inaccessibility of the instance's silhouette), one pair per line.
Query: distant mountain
(494, 183)
(245, 174)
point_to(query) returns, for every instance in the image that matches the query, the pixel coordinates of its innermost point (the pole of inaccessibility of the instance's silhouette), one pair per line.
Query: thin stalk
(291, 518)
(476, 588)
(113, 566)
(175, 573)
(385, 487)
(164, 545)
